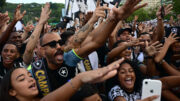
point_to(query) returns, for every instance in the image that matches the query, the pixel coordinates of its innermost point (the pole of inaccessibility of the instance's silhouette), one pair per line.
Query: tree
(143, 14)
(2, 4)
(176, 6)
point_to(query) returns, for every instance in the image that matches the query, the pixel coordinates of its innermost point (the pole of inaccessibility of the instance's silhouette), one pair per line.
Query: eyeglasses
(53, 44)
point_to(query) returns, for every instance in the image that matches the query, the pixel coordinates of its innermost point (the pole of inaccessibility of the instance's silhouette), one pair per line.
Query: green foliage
(147, 14)
(176, 6)
(33, 10)
(2, 4)
(144, 14)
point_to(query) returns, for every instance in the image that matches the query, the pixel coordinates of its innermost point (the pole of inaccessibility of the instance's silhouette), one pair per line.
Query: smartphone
(174, 30)
(150, 88)
(162, 9)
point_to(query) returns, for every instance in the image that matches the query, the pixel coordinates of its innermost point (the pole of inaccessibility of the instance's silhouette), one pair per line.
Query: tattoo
(79, 39)
(32, 36)
(111, 20)
(107, 21)
(84, 28)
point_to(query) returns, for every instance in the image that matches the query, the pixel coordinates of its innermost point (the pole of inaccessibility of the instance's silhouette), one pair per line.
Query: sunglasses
(53, 44)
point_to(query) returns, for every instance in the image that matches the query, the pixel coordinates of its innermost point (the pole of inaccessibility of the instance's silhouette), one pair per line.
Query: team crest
(63, 72)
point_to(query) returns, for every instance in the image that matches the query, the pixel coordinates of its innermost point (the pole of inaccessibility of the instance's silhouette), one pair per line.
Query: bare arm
(81, 35)
(159, 33)
(116, 51)
(168, 42)
(112, 37)
(134, 24)
(65, 92)
(28, 54)
(169, 96)
(169, 69)
(4, 18)
(17, 16)
(106, 28)
(27, 29)
(151, 51)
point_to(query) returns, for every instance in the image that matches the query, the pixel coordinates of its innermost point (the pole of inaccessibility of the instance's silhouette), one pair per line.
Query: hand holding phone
(151, 88)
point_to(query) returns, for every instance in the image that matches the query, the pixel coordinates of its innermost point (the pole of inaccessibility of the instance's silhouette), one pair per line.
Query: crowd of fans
(98, 58)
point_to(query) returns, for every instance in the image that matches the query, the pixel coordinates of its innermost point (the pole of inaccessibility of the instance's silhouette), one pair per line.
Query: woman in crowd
(19, 85)
(128, 82)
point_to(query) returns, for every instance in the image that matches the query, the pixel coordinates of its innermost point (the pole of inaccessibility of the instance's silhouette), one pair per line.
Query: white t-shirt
(93, 58)
(118, 91)
(19, 26)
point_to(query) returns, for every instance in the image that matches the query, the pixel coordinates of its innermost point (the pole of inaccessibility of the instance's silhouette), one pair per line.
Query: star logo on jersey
(63, 71)
(38, 64)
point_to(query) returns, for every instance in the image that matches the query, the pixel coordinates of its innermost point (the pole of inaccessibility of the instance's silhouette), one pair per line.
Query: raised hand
(18, 15)
(4, 18)
(88, 16)
(171, 39)
(127, 9)
(141, 27)
(29, 27)
(134, 42)
(45, 13)
(101, 74)
(99, 12)
(153, 49)
(167, 10)
(136, 18)
(37, 19)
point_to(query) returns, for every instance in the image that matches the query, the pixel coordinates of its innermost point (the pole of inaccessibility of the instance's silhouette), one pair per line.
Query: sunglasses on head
(54, 43)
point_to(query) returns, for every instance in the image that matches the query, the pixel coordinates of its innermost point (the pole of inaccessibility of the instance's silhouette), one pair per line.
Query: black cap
(124, 29)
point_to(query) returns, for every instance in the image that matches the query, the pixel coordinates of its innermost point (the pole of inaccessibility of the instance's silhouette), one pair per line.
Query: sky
(36, 1)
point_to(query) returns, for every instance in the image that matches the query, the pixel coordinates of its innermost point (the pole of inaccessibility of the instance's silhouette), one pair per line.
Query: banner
(73, 6)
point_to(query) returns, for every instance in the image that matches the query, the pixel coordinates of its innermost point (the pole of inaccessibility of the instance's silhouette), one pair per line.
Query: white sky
(36, 1)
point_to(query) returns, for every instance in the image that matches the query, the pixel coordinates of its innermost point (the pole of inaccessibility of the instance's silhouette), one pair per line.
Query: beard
(52, 58)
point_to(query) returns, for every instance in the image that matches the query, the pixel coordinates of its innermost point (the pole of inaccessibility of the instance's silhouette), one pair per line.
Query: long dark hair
(138, 74)
(139, 77)
(6, 86)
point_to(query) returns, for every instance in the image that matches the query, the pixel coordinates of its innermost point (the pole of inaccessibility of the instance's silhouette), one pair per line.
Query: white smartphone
(150, 88)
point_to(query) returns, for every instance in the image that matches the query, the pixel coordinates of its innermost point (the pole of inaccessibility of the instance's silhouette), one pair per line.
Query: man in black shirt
(9, 58)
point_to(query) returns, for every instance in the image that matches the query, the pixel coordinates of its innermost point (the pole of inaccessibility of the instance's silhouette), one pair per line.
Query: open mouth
(33, 86)
(7, 59)
(128, 81)
(59, 55)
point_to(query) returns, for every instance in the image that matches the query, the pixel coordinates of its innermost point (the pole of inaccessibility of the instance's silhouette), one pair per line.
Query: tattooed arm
(102, 32)
(81, 35)
(28, 54)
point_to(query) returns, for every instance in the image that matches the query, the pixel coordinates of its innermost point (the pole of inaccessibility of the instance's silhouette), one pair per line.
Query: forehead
(10, 47)
(50, 37)
(18, 72)
(125, 32)
(145, 36)
(125, 66)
